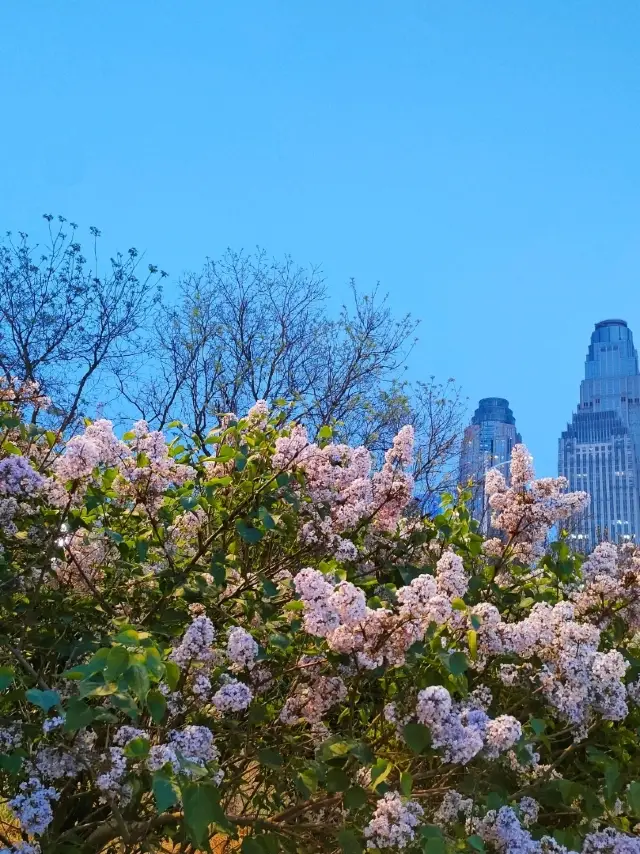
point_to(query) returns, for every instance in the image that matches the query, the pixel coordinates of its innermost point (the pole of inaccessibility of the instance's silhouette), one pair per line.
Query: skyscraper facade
(487, 443)
(599, 452)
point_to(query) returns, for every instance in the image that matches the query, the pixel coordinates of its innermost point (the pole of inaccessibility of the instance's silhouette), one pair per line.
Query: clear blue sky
(480, 159)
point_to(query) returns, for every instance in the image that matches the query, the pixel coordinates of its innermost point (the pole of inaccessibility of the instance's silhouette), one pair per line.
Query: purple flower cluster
(18, 478)
(394, 822)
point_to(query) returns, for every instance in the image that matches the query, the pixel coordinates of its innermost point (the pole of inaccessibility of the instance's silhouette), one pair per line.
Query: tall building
(599, 452)
(488, 442)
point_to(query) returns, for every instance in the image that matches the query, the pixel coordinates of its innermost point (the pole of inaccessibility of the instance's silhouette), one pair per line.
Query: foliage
(248, 636)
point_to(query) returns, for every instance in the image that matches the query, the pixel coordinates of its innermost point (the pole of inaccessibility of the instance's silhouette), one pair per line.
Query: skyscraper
(599, 452)
(488, 442)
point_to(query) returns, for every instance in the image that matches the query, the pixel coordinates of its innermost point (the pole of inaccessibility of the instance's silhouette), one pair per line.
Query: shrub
(252, 636)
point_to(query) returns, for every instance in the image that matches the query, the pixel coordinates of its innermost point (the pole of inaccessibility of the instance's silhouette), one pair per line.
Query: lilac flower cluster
(18, 478)
(394, 822)
(461, 732)
(52, 723)
(575, 677)
(379, 636)
(196, 643)
(343, 491)
(110, 781)
(32, 807)
(98, 445)
(232, 696)
(526, 509)
(22, 848)
(311, 702)
(193, 745)
(242, 649)
(147, 483)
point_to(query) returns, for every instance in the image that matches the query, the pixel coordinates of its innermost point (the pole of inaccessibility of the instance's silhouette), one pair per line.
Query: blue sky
(480, 159)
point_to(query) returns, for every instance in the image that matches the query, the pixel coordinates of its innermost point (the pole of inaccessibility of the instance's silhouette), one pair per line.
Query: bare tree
(241, 329)
(64, 323)
(247, 328)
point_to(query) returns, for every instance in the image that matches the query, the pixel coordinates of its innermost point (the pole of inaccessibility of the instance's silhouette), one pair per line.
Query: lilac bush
(256, 636)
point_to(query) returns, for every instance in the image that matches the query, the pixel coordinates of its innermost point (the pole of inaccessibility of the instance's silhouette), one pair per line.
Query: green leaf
(137, 679)
(476, 842)
(137, 748)
(248, 533)
(417, 736)
(458, 604)
(270, 758)
(362, 752)
(380, 772)
(537, 725)
(266, 519)
(165, 791)
(349, 842)
(126, 704)
(269, 588)
(225, 454)
(131, 637)
(142, 548)
(157, 705)
(337, 780)
(432, 839)
(11, 762)
(281, 641)
(189, 502)
(117, 663)
(171, 674)
(406, 784)
(202, 808)
(458, 663)
(45, 699)
(153, 662)
(218, 570)
(325, 432)
(251, 846)
(307, 782)
(10, 448)
(472, 640)
(495, 801)
(633, 797)
(333, 747)
(78, 715)
(612, 779)
(6, 677)
(355, 797)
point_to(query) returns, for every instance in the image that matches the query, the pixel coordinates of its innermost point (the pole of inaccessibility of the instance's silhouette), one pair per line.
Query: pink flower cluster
(375, 637)
(310, 702)
(343, 491)
(150, 470)
(97, 446)
(526, 509)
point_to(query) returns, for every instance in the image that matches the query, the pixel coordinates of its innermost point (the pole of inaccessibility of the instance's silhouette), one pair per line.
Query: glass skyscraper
(599, 452)
(487, 443)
